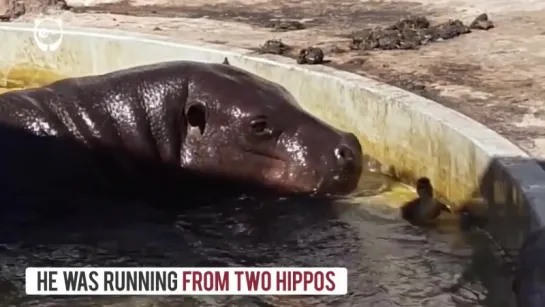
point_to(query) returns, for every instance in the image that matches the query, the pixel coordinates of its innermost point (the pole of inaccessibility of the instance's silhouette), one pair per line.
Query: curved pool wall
(416, 136)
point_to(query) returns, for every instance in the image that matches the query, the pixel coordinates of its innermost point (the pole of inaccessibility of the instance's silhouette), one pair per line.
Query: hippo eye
(260, 127)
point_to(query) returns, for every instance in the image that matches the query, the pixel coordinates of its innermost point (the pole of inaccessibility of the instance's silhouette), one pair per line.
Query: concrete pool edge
(417, 136)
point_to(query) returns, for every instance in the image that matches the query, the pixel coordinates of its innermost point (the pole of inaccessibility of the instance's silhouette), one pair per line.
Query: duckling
(424, 209)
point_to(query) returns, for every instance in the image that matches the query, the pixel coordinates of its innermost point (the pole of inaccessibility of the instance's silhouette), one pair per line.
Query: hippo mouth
(266, 155)
(275, 175)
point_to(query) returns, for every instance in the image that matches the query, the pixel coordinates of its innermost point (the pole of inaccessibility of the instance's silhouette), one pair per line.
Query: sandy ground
(496, 77)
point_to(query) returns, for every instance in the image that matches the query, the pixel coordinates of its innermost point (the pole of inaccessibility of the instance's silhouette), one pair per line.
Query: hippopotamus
(211, 120)
(529, 280)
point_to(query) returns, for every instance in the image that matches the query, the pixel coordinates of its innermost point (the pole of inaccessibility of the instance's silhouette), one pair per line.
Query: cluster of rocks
(310, 55)
(410, 33)
(11, 9)
(407, 33)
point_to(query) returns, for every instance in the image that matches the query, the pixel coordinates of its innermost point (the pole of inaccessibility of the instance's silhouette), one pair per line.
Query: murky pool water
(390, 262)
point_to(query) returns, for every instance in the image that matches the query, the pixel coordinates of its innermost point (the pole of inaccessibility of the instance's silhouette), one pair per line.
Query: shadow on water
(60, 207)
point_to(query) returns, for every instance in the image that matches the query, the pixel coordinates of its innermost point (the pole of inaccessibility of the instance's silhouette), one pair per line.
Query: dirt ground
(495, 76)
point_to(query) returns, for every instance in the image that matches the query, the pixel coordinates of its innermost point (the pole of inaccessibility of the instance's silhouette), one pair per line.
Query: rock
(449, 29)
(274, 46)
(482, 23)
(311, 55)
(11, 9)
(408, 33)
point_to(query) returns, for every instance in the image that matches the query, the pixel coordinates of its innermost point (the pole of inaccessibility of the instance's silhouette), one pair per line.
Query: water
(390, 262)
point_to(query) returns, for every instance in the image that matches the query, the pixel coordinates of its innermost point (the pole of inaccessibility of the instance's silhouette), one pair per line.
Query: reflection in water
(390, 263)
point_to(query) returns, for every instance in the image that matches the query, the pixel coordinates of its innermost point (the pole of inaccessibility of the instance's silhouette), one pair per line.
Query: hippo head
(245, 127)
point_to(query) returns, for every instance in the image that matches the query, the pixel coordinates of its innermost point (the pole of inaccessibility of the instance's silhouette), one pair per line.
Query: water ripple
(389, 262)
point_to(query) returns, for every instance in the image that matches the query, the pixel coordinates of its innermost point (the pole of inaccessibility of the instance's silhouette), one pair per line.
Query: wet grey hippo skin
(529, 281)
(211, 119)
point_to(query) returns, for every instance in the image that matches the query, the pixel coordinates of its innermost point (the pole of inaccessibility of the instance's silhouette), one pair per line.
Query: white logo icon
(48, 33)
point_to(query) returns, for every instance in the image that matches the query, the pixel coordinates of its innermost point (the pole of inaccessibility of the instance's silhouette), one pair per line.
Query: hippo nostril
(344, 154)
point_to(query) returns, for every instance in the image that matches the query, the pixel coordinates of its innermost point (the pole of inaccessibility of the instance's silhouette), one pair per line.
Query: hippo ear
(195, 113)
(225, 61)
